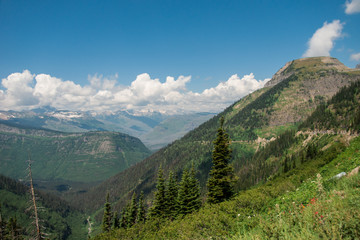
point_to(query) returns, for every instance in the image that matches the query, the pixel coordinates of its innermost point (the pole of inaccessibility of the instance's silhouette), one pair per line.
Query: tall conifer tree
(123, 218)
(106, 223)
(220, 183)
(184, 193)
(116, 222)
(189, 192)
(159, 205)
(171, 197)
(141, 212)
(132, 212)
(194, 193)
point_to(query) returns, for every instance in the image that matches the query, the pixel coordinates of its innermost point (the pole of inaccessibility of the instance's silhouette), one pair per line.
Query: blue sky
(117, 41)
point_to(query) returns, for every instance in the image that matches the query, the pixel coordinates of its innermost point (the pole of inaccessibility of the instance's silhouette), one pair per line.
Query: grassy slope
(252, 117)
(288, 206)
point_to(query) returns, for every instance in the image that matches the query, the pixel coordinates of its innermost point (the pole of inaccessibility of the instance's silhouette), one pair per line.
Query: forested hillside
(300, 190)
(254, 121)
(67, 159)
(58, 220)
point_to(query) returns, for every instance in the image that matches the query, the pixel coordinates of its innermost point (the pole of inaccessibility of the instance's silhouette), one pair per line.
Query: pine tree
(132, 212)
(220, 183)
(189, 193)
(116, 221)
(123, 218)
(2, 226)
(194, 191)
(159, 205)
(183, 194)
(286, 164)
(141, 212)
(106, 223)
(13, 229)
(171, 197)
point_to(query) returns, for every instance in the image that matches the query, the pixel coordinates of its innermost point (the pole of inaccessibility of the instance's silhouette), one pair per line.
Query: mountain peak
(309, 64)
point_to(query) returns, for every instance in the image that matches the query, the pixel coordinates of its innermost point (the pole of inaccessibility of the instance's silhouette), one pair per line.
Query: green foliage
(123, 218)
(171, 195)
(60, 220)
(75, 157)
(290, 206)
(342, 112)
(107, 217)
(220, 183)
(116, 221)
(141, 211)
(189, 193)
(132, 212)
(159, 205)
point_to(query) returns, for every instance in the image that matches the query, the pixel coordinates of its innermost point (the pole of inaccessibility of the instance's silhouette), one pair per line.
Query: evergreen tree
(171, 197)
(13, 230)
(220, 183)
(286, 164)
(189, 193)
(183, 194)
(194, 191)
(116, 221)
(2, 226)
(141, 212)
(106, 223)
(132, 212)
(123, 218)
(159, 205)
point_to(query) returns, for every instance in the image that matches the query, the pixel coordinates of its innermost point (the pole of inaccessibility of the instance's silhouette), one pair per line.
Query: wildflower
(316, 213)
(321, 216)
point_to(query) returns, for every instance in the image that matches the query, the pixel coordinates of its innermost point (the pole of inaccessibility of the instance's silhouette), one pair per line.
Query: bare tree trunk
(38, 233)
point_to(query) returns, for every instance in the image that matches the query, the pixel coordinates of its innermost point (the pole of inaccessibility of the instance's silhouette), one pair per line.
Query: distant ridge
(66, 158)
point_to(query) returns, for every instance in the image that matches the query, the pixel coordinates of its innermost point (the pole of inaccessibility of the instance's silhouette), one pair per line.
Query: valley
(303, 124)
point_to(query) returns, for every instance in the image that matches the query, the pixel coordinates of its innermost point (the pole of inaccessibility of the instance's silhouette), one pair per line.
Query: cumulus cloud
(352, 7)
(19, 92)
(322, 42)
(355, 57)
(25, 91)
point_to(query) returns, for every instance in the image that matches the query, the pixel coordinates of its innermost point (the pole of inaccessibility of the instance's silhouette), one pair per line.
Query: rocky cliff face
(309, 81)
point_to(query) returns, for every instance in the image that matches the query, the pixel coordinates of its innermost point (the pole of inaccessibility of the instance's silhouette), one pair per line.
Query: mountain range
(155, 129)
(304, 121)
(253, 122)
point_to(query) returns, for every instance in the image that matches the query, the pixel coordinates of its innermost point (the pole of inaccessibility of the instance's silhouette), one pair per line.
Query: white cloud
(355, 57)
(18, 94)
(26, 91)
(352, 7)
(322, 42)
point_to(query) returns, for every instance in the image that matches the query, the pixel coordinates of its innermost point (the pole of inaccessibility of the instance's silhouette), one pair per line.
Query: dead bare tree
(38, 235)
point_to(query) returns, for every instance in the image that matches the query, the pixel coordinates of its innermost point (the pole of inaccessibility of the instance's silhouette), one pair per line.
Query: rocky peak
(308, 64)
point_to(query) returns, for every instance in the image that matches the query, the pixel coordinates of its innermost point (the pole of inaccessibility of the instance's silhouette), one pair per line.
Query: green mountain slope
(251, 122)
(57, 218)
(67, 157)
(300, 194)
